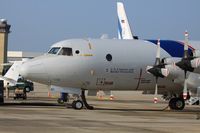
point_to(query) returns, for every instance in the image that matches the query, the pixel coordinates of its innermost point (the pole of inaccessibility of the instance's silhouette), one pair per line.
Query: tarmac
(121, 115)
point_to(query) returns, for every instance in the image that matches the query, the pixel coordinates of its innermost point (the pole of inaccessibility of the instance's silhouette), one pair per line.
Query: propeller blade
(186, 44)
(157, 62)
(148, 68)
(185, 63)
(185, 90)
(156, 70)
(156, 91)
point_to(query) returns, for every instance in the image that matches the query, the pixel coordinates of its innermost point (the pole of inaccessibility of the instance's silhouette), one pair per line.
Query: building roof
(21, 54)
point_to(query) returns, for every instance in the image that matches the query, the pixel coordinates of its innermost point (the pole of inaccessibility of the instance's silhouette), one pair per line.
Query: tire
(179, 104)
(197, 103)
(171, 103)
(60, 101)
(1, 100)
(24, 98)
(27, 89)
(78, 105)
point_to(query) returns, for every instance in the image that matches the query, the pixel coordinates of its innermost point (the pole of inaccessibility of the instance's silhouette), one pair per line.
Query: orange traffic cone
(100, 95)
(49, 94)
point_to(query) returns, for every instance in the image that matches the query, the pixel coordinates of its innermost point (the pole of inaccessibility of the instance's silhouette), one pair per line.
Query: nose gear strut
(85, 101)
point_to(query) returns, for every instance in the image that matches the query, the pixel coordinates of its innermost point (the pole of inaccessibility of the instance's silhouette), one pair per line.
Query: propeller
(186, 56)
(158, 70)
(185, 64)
(157, 63)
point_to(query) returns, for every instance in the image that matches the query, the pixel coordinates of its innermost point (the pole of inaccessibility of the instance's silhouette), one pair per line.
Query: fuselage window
(108, 57)
(54, 50)
(77, 51)
(66, 51)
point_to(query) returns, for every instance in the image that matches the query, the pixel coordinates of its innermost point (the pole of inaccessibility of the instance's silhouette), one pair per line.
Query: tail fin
(13, 72)
(124, 30)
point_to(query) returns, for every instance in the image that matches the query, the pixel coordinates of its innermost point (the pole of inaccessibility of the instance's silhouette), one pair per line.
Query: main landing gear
(81, 102)
(177, 103)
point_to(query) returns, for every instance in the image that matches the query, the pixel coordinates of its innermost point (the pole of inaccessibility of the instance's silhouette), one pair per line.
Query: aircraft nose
(33, 70)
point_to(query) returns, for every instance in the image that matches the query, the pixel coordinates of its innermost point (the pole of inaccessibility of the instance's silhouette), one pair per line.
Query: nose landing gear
(78, 104)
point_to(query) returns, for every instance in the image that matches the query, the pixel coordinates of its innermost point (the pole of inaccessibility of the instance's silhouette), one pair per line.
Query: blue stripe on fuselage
(174, 48)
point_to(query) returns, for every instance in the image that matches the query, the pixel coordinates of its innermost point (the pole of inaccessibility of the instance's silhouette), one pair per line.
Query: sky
(37, 24)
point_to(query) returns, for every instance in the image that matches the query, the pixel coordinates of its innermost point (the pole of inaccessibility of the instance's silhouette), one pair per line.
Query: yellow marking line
(86, 55)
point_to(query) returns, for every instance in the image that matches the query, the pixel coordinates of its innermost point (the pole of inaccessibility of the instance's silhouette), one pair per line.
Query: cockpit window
(54, 50)
(66, 51)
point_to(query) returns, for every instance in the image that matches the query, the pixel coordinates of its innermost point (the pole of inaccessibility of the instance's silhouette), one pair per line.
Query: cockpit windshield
(54, 50)
(66, 51)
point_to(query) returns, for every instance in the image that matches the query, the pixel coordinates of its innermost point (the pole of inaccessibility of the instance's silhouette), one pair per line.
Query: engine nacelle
(196, 53)
(174, 71)
(195, 62)
(172, 60)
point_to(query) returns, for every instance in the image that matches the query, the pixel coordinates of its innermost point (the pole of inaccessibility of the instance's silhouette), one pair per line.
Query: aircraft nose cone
(34, 70)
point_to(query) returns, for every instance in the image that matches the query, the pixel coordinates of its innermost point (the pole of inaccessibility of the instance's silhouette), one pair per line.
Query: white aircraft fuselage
(99, 64)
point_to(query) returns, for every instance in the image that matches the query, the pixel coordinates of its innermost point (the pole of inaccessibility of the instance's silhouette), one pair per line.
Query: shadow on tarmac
(44, 104)
(31, 104)
(166, 109)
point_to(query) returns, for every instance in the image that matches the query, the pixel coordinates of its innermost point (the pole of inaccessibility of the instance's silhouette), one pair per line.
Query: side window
(66, 51)
(77, 51)
(109, 57)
